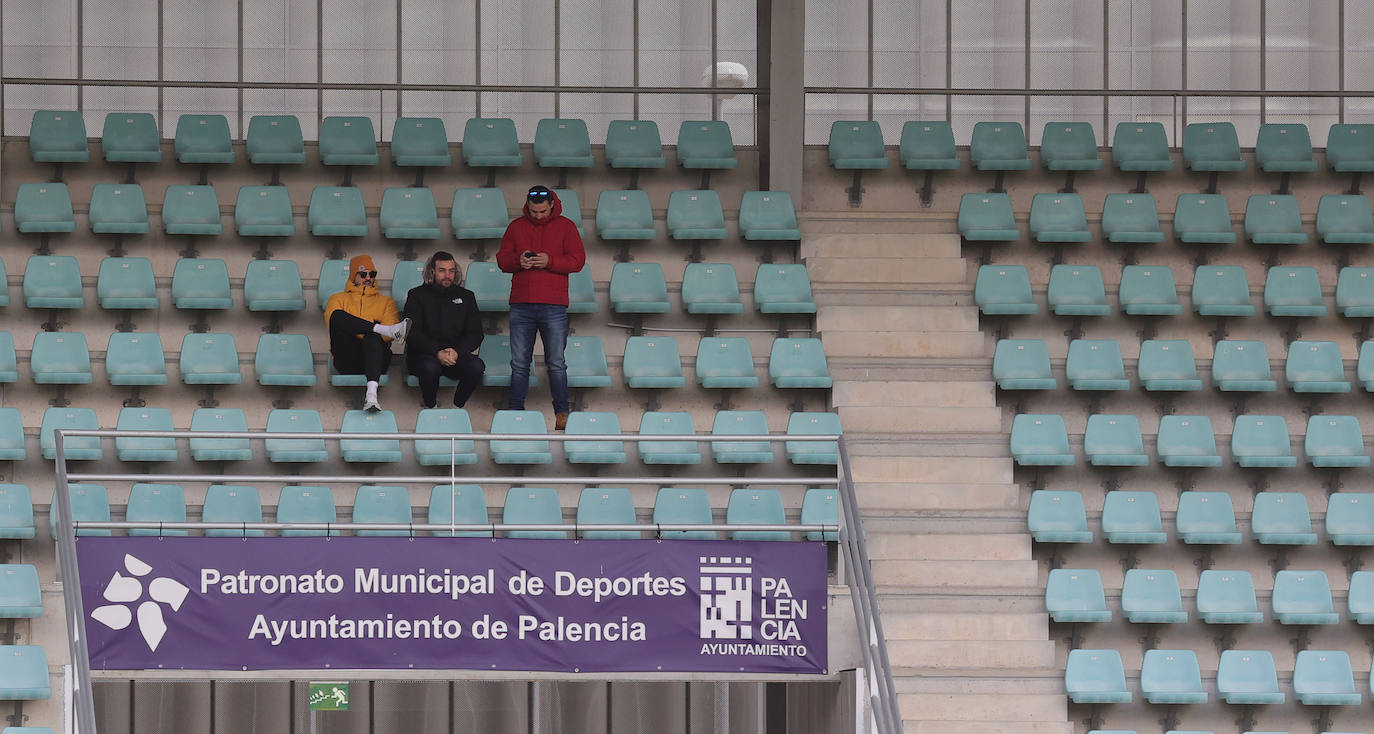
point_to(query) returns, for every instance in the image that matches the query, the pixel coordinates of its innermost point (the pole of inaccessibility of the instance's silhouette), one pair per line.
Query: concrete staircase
(959, 590)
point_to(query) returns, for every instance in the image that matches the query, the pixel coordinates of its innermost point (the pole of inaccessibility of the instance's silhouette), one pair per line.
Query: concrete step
(914, 246)
(909, 470)
(872, 318)
(927, 726)
(955, 574)
(869, 272)
(938, 496)
(947, 627)
(905, 344)
(914, 393)
(922, 420)
(1001, 655)
(986, 707)
(947, 546)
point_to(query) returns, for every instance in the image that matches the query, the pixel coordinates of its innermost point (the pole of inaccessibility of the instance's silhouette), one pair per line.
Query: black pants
(428, 369)
(370, 356)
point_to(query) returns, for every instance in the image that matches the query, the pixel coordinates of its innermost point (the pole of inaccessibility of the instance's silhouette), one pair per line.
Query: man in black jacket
(446, 328)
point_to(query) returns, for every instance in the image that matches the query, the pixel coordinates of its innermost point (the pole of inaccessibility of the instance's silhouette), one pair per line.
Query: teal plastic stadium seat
(586, 360)
(1284, 148)
(263, 211)
(382, 504)
(348, 141)
(60, 358)
(1293, 291)
(1131, 218)
(1315, 367)
(337, 211)
(118, 209)
(409, 213)
(821, 507)
(1324, 678)
(533, 506)
(1069, 146)
(1344, 219)
(588, 423)
(1077, 290)
(338, 379)
(711, 288)
(1350, 519)
(210, 359)
(1075, 595)
(639, 288)
(582, 291)
(369, 450)
(656, 423)
(562, 143)
(203, 139)
(1281, 518)
(44, 207)
(783, 288)
(634, 144)
(1152, 596)
(813, 452)
(9, 360)
(625, 215)
(201, 283)
(52, 281)
(987, 217)
(284, 360)
(706, 144)
(158, 503)
(131, 138)
(1132, 518)
(520, 452)
(1003, 290)
(20, 595)
(489, 285)
(273, 285)
(725, 362)
(232, 503)
(1350, 148)
(798, 363)
(696, 215)
(1141, 146)
(1095, 364)
(1058, 517)
(741, 423)
(58, 136)
(16, 510)
(856, 144)
(491, 142)
(1167, 365)
(126, 283)
(11, 444)
(1187, 440)
(1248, 677)
(767, 216)
(145, 449)
(192, 210)
(1261, 441)
(1171, 677)
(444, 451)
(1096, 676)
(1040, 440)
(222, 420)
(1212, 146)
(1361, 597)
(653, 362)
(756, 507)
(1221, 290)
(1242, 366)
(928, 146)
(1114, 440)
(572, 208)
(1203, 219)
(1023, 364)
(1335, 441)
(683, 506)
(408, 274)
(999, 146)
(275, 139)
(89, 503)
(1365, 368)
(1355, 292)
(479, 214)
(460, 504)
(24, 673)
(1207, 518)
(1227, 597)
(606, 506)
(295, 450)
(1303, 597)
(1274, 219)
(1059, 218)
(495, 353)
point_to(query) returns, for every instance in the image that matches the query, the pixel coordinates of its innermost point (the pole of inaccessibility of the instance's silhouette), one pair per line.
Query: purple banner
(471, 603)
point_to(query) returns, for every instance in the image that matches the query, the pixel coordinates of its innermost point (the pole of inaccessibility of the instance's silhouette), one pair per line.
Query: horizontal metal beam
(366, 87)
(297, 479)
(1095, 92)
(559, 437)
(446, 527)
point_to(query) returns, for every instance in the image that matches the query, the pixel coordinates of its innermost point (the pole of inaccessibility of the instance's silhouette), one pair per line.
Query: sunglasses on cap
(368, 273)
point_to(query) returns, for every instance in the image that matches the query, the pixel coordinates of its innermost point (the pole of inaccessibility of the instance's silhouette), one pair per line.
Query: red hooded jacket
(556, 236)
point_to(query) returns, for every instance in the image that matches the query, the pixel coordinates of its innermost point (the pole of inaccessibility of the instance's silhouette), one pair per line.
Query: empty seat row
(1243, 677)
(436, 452)
(459, 504)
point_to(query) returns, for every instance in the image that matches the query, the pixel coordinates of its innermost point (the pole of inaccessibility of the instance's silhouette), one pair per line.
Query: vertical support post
(71, 580)
(319, 56)
(1106, 73)
(240, 68)
(1026, 70)
(1340, 55)
(763, 101)
(477, 50)
(715, 58)
(399, 26)
(869, 97)
(81, 48)
(787, 99)
(1183, 80)
(634, 51)
(949, 60)
(557, 47)
(722, 708)
(775, 704)
(1263, 85)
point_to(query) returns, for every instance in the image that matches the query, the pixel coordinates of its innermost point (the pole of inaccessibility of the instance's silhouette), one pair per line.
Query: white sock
(372, 389)
(382, 329)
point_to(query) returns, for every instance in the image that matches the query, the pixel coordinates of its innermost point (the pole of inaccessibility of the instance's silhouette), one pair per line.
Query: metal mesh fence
(200, 40)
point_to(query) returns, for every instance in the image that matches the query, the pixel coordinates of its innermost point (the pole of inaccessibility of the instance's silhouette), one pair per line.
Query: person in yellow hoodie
(362, 325)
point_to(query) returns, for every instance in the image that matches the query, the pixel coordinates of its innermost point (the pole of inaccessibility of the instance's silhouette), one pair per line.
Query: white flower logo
(124, 590)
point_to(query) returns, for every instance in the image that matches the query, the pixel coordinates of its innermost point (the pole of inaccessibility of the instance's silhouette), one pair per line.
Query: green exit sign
(328, 696)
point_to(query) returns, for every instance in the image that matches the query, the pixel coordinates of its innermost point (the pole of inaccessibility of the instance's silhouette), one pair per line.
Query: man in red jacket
(540, 250)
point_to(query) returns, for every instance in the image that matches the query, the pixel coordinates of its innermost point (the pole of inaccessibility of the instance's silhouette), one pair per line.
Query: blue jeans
(552, 324)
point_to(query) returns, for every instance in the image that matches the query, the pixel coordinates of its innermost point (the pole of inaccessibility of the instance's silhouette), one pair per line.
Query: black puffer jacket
(442, 318)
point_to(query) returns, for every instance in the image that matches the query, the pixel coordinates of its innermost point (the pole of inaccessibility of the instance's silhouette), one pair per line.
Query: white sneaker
(371, 405)
(399, 331)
